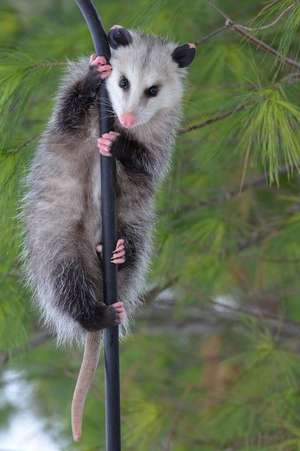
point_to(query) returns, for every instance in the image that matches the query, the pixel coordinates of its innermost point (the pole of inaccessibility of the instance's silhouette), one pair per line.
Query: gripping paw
(119, 254)
(105, 142)
(119, 311)
(101, 65)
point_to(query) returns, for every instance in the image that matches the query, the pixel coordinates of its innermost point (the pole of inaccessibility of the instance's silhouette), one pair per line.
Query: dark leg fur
(76, 295)
(133, 245)
(133, 155)
(77, 101)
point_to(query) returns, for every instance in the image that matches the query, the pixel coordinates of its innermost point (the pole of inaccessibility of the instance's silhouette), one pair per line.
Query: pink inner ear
(191, 45)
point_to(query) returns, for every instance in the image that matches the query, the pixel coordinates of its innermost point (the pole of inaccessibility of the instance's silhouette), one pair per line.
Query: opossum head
(147, 76)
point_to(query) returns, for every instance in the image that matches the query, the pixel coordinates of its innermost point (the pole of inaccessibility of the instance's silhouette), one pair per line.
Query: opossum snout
(128, 120)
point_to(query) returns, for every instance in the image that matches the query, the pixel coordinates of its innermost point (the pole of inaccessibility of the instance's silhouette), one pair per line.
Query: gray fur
(61, 207)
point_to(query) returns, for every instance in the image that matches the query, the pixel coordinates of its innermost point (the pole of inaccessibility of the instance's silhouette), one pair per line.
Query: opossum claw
(119, 254)
(105, 142)
(101, 65)
(120, 311)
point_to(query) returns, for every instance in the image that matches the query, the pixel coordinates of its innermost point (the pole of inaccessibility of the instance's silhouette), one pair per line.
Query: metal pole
(108, 214)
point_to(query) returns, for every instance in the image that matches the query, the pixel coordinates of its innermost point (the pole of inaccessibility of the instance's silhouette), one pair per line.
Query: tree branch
(213, 119)
(294, 77)
(23, 145)
(255, 183)
(201, 321)
(223, 196)
(258, 43)
(261, 45)
(214, 33)
(272, 24)
(35, 342)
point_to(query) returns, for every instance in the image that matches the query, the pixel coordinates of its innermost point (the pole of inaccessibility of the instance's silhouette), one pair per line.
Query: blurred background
(212, 361)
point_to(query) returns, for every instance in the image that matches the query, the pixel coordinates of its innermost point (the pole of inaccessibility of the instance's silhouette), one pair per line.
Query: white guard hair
(54, 197)
(147, 61)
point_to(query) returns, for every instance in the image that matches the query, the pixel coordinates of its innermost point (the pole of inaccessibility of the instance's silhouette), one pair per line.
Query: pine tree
(221, 321)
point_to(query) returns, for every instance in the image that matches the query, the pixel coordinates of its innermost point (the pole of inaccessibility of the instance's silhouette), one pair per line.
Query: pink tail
(84, 381)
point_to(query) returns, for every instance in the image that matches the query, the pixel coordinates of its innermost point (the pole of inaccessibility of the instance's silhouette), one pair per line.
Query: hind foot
(120, 312)
(100, 63)
(101, 316)
(119, 254)
(105, 142)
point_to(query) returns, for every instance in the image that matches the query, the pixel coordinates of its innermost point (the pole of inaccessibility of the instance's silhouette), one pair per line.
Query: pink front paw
(120, 312)
(101, 65)
(105, 142)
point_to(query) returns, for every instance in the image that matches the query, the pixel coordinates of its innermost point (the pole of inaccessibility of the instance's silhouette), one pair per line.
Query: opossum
(62, 244)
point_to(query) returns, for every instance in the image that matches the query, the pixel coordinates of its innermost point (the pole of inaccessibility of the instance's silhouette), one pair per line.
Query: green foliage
(216, 367)
(270, 130)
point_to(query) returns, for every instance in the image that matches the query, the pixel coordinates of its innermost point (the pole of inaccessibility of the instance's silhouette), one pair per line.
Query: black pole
(108, 214)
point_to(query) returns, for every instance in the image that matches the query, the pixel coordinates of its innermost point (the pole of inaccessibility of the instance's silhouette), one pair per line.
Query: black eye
(152, 91)
(124, 83)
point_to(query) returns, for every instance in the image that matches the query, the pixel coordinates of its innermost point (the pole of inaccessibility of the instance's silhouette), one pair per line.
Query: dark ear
(184, 54)
(119, 36)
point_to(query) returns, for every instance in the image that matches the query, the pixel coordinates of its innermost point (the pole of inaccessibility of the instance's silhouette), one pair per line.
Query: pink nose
(128, 120)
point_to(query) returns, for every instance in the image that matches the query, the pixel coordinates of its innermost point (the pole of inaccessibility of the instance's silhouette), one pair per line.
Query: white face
(143, 84)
